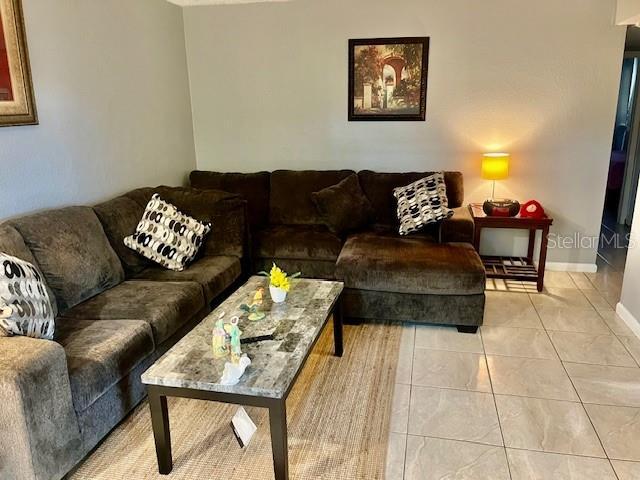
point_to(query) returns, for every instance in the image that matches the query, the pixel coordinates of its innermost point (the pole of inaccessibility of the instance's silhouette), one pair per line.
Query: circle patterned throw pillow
(25, 306)
(167, 236)
(421, 203)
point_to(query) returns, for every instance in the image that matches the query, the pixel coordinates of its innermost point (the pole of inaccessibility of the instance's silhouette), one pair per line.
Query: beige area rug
(338, 420)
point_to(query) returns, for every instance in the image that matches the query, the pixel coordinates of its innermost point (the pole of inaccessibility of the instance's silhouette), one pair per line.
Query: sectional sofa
(116, 314)
(433, 277)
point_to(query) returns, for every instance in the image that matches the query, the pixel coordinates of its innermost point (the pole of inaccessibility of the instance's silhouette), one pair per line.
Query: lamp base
(501, 208)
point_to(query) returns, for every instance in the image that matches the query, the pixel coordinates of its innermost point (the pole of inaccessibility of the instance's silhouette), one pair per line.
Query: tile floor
(549, 388)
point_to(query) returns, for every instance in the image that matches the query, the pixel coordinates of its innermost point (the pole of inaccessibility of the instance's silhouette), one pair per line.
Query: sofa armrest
(39, 433)
(459, 227)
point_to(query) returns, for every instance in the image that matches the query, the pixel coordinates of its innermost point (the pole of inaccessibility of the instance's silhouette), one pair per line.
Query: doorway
(624, 164)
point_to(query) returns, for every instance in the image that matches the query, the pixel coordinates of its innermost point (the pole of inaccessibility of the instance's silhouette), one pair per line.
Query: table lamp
(495, 166)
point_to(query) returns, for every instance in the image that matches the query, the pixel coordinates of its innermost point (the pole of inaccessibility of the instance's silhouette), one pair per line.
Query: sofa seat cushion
(166, 306)
(214, 274)
(410, 265)
(313, 242)
(101, 353)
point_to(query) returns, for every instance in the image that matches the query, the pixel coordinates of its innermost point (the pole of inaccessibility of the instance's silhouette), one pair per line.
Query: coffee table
(189, 369)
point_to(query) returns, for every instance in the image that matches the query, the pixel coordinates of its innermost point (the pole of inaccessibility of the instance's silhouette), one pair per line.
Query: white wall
(629, 299)
(538, 79)
(112, 95)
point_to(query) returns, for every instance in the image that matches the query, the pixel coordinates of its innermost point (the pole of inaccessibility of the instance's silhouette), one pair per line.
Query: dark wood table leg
(278, 426)
(161, 431)
(337, 328)
(542, 261)
(476, 238)
(532, 244)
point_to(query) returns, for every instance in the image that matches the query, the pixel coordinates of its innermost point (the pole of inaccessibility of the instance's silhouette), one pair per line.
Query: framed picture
(17, 106)
(388, 78)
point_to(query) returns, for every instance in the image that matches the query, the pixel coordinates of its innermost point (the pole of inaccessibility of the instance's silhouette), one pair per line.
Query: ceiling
(191, 3)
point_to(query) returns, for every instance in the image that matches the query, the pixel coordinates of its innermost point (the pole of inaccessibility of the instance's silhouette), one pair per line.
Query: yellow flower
(278, 278)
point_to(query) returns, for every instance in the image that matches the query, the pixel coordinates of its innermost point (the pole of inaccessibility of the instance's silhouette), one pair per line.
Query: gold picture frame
(17, 105)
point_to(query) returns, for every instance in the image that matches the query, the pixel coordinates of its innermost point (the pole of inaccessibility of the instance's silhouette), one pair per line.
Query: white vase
(278, 295)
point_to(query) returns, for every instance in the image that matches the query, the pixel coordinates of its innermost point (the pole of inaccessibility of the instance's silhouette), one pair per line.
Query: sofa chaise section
(411, 278)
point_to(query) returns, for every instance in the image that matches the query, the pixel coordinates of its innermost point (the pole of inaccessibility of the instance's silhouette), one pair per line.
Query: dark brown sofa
(433, 277)
(116, 314)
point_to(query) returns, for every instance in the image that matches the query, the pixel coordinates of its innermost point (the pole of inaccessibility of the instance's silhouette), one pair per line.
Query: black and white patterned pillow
(25, 306)
(421, 203)
(167, 236)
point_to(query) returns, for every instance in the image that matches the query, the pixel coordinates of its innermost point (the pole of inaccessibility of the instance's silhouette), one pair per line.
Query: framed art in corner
(388, 78)
(17, 106)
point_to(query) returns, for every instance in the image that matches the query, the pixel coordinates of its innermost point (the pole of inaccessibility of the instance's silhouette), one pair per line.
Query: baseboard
(629, 319)
(572, 267)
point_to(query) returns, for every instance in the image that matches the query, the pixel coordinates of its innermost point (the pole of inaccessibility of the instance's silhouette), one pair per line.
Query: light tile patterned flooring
(549, 388)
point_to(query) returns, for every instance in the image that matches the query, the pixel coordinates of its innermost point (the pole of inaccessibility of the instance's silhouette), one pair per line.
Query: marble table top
(274, 363)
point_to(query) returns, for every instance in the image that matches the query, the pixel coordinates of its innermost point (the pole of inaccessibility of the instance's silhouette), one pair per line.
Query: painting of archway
(388, 78)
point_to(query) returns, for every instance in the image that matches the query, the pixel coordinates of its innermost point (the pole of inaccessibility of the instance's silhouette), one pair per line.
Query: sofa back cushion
(253, 187)
(227, 213)
(291, 202)
(119, 218)
(378, 187)
(12, 243)
(73, 253)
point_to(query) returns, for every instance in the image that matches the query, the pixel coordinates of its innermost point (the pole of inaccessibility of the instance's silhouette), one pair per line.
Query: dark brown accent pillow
(343, 206)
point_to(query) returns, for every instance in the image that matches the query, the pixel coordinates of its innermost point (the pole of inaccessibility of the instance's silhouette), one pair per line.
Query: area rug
(338, 420)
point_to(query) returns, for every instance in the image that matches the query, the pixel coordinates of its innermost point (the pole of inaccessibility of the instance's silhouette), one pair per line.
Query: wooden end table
(513, 267)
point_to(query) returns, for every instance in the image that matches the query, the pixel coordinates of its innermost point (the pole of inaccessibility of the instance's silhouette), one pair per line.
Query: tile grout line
(495, 404)
(474, 442)
(584, 409)
(627, 349)
(548, 333)
(406, 436)
(436, 387)
(608, 326)
(615, 473)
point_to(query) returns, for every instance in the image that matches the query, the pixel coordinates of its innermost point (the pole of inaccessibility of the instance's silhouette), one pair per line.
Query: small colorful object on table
(279, 283)
(234, 370)
(219, 342)
(532, 209)
(501, 208)
(254, 309)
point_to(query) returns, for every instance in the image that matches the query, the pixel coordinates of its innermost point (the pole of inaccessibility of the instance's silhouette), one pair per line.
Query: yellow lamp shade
(495, 166)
